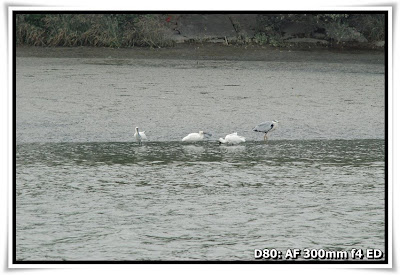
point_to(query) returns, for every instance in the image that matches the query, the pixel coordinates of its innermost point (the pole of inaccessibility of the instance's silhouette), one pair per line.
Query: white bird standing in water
(139, 135)
(266, 127)
(193, 137)
(232, 139)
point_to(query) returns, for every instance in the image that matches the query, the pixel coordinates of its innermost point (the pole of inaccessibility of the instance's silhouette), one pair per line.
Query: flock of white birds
(265, 127)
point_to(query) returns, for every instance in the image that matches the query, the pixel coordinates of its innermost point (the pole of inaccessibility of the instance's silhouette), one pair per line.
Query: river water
(86, 191)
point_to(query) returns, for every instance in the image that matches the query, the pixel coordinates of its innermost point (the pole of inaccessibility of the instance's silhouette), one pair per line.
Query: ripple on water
(168, 201)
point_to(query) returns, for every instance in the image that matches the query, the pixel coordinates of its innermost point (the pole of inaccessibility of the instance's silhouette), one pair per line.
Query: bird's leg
(265, 138)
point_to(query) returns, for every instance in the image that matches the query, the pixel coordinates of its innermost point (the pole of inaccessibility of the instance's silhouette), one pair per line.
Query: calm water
(86, 191)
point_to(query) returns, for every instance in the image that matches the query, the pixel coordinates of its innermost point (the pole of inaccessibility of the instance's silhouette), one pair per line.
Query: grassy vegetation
(151, 30)
(99, 30)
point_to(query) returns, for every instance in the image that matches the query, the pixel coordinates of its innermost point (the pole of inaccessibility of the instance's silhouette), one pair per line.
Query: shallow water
(86, 191)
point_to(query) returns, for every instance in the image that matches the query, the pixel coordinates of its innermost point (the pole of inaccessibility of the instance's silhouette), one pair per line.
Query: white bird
(139, 135)
(266, 127)
(232, 139)
(193, 137)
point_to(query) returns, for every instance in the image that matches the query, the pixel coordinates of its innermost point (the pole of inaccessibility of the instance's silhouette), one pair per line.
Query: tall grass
(99, 30)
(28, 33)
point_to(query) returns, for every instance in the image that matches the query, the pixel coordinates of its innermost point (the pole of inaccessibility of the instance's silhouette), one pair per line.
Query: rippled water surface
(86, 191)
(169, 201)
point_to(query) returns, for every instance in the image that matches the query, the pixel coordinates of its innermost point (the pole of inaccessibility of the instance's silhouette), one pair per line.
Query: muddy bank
(209, 52)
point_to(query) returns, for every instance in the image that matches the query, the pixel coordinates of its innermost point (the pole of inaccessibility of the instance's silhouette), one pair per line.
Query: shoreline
(209, 52)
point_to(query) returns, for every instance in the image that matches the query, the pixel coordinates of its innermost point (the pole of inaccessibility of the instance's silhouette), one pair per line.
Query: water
(86, 191)
(80, 100)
